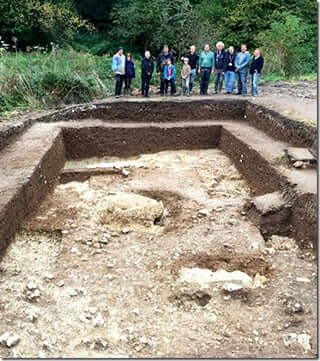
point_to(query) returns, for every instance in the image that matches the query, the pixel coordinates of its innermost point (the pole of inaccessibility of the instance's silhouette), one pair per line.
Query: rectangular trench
(76, 140)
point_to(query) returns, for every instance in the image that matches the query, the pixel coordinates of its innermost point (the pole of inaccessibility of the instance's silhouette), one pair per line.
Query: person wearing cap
(119, 70)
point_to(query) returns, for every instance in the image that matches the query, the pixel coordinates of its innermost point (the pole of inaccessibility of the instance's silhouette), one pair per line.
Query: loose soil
(111, 293)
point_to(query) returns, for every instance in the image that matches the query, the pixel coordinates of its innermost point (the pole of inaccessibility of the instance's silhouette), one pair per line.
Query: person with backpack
(147, 69)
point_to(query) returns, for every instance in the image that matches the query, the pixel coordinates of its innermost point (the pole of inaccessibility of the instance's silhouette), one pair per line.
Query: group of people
(226, 65)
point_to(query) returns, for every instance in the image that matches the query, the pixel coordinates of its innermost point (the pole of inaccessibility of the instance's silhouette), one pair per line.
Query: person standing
(119, 69)
(169, 75)
(230, 75)
(185, 75)
(206, 65)
(194, 64)
(220, 61)
(242, 64)
(130, 74)
(255, 71)
(147, 69)
(161, 63)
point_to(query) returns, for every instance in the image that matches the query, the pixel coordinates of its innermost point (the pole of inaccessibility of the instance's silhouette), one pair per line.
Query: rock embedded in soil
(121, 210)
(9, 339)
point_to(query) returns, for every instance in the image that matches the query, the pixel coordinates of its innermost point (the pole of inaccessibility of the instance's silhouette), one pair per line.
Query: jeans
(254, 83)
(242, 82)
(119, 82)
(230, 81)
(205, 78)
(172, 83)
(186, 86)
(219, 80)
(192, 78)
(145, 83)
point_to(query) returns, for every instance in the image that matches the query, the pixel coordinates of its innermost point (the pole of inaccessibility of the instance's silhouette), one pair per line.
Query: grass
(273, 77)
(45, 80)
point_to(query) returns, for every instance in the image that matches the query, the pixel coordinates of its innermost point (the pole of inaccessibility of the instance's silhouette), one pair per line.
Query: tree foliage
(284, 42)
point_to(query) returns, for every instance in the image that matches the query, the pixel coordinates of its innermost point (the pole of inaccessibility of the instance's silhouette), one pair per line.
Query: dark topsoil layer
(271, 122)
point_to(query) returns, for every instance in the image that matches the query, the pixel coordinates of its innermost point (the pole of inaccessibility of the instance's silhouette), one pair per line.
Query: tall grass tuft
(42, 80)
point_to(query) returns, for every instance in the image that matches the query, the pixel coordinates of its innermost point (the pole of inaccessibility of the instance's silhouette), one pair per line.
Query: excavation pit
(102, 207)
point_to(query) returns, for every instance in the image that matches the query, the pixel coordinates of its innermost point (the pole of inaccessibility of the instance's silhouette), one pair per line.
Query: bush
(286, 48)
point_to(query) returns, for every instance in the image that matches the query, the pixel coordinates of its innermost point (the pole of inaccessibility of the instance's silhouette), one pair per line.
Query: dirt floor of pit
(73, 287)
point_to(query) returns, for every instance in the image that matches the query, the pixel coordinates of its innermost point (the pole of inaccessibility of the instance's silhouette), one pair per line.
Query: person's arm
(134, 70)
(172, 58)
(152, 67)
(158, 64)
(114, 64)
(261, 63)
(213, 63)
(225, 62)
(197, 63)
(173, 72)
(246, 61)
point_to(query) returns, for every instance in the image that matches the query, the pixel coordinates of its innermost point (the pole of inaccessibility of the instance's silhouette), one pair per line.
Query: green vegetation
(59, 51)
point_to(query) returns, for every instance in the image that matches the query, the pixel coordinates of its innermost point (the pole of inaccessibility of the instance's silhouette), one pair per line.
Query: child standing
(185, 75)
(169, 75)
(130, 74)
(147, 68)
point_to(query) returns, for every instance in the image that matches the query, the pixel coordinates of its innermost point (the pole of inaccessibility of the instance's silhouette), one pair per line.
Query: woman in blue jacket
(130, 74)
(242, 64)
(169, 75)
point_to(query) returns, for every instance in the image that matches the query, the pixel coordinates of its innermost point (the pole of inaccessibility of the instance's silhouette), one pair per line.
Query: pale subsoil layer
(106, 292)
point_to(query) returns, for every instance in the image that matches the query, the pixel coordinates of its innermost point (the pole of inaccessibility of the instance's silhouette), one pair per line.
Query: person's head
(207, 48)
(243, 48)
(147, 54)
(129, 57)
(192, 49)
(168, 61)
(120, 50)
(186, 61)
(231, 49)
(220, 45)
(165, 49)
(257, 52)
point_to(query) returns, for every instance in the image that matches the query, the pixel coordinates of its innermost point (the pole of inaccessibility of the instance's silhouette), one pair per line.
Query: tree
(156, 22)
(285, 41)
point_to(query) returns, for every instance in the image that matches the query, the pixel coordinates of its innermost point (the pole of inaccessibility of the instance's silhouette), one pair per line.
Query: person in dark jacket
(230, 75)
(130, 74)
(220, 61)
(255, 71)
(161, 63)
(194, 64)
(147, 68)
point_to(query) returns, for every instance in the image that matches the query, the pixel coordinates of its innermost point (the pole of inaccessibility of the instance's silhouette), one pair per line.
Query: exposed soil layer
(84, 142)
(29, 169)
(72, 287)
(255, 153)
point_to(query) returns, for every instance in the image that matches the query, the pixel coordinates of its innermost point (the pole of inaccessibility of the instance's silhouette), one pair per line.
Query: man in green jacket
(206, 67)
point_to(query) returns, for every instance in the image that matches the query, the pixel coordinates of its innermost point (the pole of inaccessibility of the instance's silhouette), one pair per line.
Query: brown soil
(121, 296)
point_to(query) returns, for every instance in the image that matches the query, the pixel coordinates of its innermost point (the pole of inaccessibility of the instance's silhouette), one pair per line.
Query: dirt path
(72, 286)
